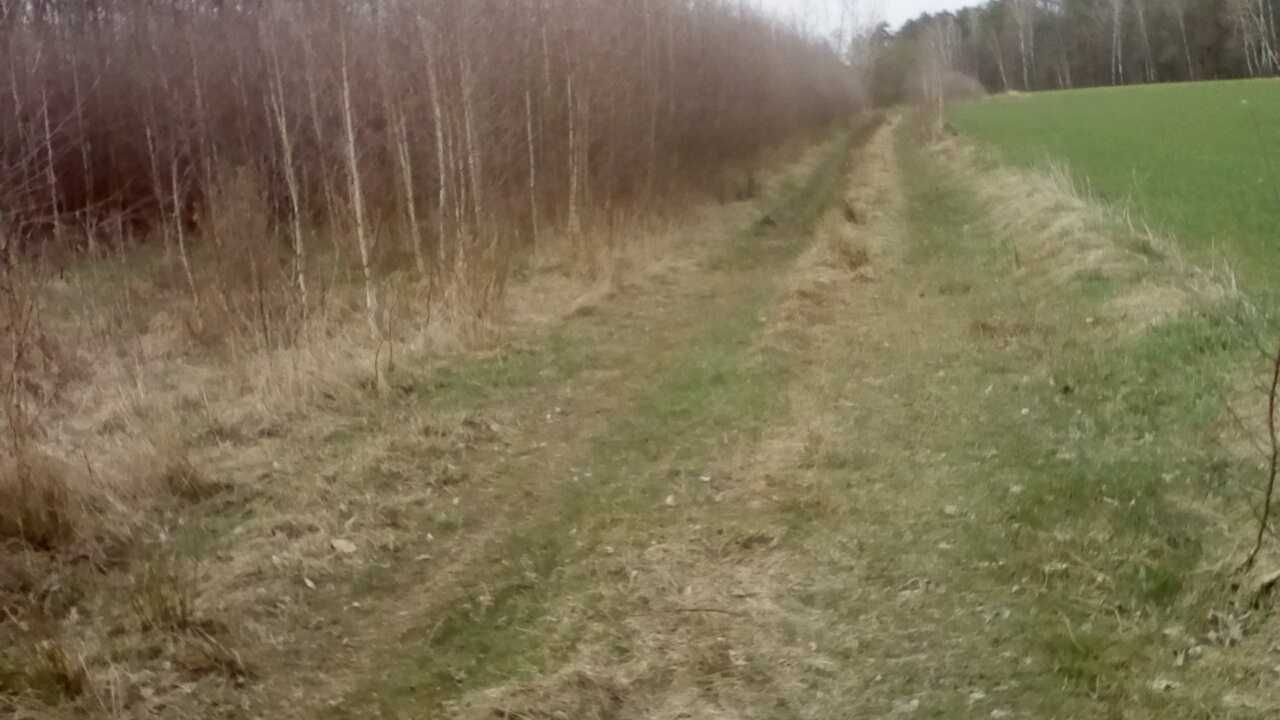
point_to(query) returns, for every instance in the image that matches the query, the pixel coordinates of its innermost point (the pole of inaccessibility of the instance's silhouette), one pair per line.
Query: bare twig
(1265, 520)
(716, 611)
(1244, 429)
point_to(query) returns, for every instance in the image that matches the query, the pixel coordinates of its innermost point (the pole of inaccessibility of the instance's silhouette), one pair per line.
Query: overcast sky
(823, 13)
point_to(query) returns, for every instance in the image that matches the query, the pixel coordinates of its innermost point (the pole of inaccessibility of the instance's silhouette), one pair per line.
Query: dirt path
(807, 472)
(478, 505)
(754, 524)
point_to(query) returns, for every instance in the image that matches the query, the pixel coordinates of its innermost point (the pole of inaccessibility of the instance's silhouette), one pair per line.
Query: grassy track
(679, 408)
(1198, 161)
(898, 447)
(1096, 457)
(953, 483)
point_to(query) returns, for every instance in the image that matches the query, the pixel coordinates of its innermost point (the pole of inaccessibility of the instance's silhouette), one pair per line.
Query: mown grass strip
(719, 386)
(1092, 453)
(779, 234)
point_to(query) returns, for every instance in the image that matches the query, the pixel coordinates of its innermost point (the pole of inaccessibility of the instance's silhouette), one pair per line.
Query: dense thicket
(455, 123)
(1050, 44)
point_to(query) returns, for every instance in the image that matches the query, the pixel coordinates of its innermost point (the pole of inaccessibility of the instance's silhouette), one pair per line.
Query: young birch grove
(247, 177)
(275, 151)
(214, 216)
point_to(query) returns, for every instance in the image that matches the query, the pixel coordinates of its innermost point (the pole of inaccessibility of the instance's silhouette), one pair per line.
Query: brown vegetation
(264, 175)
(216, 216)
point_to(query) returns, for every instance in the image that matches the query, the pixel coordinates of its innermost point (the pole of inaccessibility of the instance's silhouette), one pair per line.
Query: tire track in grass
(1020, 542)
(430, 480)
(690, 391)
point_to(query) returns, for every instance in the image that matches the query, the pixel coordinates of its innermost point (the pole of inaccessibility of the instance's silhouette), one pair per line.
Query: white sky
(825, 13)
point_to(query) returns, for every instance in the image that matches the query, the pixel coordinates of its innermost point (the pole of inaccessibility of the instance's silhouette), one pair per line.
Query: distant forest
(1058, 44)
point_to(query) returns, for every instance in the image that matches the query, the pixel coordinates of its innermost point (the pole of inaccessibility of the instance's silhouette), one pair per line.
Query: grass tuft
(38, 503)
(183, 480)
(163, 596)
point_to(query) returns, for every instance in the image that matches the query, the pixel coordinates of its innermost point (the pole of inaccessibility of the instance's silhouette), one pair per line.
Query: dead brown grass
(40, 503)
(165, 440)
(164, 594)
(706, 611)
(51, 674)
(1058, 235)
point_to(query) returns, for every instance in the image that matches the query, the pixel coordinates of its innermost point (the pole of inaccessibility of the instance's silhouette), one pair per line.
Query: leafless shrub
(38, 502)
(1273, 465)
(245, 296)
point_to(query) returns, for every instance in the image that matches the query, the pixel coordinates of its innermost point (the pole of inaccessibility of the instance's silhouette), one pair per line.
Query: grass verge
(1098, 463)
(1190, 159)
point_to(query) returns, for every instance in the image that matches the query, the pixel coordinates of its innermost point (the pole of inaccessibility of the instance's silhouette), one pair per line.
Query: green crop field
(1198, 161)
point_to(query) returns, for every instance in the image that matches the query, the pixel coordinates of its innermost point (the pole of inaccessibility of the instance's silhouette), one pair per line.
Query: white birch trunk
(533, 165)
(1117, 42)
(356, 198)
(180, 231)
(291, 185)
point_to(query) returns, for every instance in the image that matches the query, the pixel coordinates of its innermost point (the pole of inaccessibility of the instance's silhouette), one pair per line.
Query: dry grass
(1057, 234)
(41, 504)
(163, 439)
(51, 674)
(824, 566)
(1089, 298)
(701, 621)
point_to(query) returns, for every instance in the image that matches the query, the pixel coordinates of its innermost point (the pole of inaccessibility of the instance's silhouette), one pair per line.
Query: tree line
(437, 137)
(1058, 44)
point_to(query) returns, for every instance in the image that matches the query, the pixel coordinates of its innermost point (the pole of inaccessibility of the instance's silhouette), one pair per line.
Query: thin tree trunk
(51, 174)
(1266, 37)
(158, 187)
(208, 153)
(474, 167)
(86, 163)
(356, 198)
(1149, 66)
(410, 196)
(998, 52)
(180, 231)
(1026, 39)
(442, 171)
(1117, 43)
(1244, 26)
(533, 166)
(1186, 46)
(291, 184)
(313, 99)
(575, 228)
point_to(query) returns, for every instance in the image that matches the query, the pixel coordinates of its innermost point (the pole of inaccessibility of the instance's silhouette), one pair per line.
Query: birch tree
(1023, 12)
(1117, 41)
(355, 197)
(1177, 10)
(1148, 60)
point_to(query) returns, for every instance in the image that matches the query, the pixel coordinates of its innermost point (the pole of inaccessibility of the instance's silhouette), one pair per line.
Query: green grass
(513, 371)
(1110, 446)
(712, 389)
(1198, 161)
